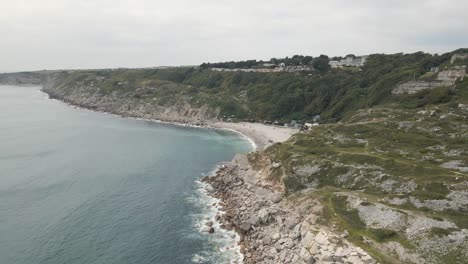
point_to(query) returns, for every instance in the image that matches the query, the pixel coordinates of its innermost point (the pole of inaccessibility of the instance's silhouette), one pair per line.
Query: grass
(336, 211)
(371, 148)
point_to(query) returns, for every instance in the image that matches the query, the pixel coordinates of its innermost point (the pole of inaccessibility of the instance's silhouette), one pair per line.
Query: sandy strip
(262, 135)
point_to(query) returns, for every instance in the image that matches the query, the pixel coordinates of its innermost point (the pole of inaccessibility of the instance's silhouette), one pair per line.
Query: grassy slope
(380, 138)
(371, 147)
(274, 96)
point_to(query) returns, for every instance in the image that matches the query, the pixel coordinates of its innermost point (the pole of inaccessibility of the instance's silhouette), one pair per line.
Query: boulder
(289, 243)
(228, 226)
(263, 216)
(205, 179)
(230, 213)
(245, 227)
(304, 254)
(279, 220)
(254, 220)
(314, 249)
(276, 165)
(292, 221)
(367, 259)
(327, 257)
(208, 229)
(215, 185)
(308, 239)
(276, 236)
(321, 238)
(354, 259)
(276, 197)
(345, 234)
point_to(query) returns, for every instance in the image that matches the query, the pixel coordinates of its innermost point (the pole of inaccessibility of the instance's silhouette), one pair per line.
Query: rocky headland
(382, 179)
(274, 228)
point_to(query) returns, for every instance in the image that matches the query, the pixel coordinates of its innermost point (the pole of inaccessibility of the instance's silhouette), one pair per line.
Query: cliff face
(444, 78)
(395, 180)
(273, 228)
(128, 99)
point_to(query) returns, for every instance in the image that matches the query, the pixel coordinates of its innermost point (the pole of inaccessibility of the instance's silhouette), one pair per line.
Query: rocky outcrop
(458, 56)
(452, 74)
(416, 86)
(128, 102)
(273, 228)
(444, 79)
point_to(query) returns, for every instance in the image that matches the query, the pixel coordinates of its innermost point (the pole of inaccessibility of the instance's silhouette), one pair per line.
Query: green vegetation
(282, 96)
(295, 60)
(405, 152)
(387, 152)
(338, 212)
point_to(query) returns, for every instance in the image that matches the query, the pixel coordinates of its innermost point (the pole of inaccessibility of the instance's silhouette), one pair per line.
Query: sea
(78, 186)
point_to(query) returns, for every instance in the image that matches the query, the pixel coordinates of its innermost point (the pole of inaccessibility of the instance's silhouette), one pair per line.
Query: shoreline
(272, 227)
(259, 135)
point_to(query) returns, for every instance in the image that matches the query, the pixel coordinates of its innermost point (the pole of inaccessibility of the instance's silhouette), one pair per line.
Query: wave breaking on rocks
(273, 228)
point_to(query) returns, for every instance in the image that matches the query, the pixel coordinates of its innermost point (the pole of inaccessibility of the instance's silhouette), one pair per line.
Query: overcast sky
(58, 34)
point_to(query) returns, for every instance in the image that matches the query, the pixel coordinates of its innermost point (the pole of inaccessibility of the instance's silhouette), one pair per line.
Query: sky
(84, 34)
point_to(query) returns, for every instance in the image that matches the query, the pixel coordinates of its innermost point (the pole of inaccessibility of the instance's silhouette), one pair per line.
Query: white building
(349, 61)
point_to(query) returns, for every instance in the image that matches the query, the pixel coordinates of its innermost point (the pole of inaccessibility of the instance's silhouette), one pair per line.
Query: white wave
(251, 141)
(225, 242)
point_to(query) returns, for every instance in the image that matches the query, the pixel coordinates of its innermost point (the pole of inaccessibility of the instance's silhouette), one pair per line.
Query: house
(349, 61)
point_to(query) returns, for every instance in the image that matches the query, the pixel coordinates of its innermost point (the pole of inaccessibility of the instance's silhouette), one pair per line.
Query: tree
(307, 60)
(321, 63)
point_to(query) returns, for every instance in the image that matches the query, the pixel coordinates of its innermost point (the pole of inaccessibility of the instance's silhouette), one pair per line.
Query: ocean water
(83, 187)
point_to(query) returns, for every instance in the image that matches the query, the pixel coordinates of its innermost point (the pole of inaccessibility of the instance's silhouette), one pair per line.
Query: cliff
(387, 183)
(384, 185)
(160, 100)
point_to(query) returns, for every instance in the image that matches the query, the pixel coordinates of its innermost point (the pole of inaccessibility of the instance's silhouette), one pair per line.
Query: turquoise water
(83, 187)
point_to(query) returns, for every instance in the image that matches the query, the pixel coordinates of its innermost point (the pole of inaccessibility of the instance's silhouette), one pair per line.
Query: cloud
(55, 34)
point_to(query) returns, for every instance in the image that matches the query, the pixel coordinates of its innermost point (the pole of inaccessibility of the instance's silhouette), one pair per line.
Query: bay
(78, 186)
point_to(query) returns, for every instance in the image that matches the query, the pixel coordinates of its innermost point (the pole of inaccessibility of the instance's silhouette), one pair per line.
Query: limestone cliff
(127, 100)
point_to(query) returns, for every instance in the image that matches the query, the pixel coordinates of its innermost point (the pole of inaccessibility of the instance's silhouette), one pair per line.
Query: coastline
(262, 135)
(272, 227)
(269, 227)
(259, 135)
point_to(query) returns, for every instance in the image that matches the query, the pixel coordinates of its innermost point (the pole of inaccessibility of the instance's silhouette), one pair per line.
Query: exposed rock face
(276, 229)
(444, 78)
(416, 86)
(129, 103)
(459, 56)
(452, 74)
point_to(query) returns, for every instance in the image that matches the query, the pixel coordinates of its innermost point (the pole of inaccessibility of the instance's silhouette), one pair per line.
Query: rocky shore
(274, 228)
(181, 113)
